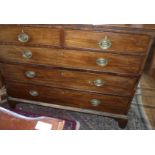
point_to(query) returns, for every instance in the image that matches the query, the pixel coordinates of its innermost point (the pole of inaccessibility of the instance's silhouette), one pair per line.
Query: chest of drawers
(82, 68)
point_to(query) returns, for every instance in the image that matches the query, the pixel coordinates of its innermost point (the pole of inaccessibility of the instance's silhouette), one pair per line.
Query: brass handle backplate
(23, 37)
(102, 62)
(33, 93)
(27, 54)
(105, 43)
(95, 102)
(99, 82)
(30, 74)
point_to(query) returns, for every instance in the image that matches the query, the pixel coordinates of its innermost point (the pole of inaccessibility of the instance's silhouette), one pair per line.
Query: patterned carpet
(137, 120)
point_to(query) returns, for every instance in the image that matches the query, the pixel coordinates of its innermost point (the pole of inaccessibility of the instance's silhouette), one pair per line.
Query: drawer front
(74, 59)
(64, 97)
(101, 83)
(107, 41)
(40, 36)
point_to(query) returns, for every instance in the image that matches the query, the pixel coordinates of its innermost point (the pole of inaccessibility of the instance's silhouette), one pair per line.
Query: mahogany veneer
(93, 69)
(125, 64)
(38, 36)
(112, 104)
(122, 43)
(70, 79)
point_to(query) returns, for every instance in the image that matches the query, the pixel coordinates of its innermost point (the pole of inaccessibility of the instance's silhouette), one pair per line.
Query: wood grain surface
(64, 58)
(75, 59)
(112, 104)
(70, 79)
(40, 36)
(124, 43)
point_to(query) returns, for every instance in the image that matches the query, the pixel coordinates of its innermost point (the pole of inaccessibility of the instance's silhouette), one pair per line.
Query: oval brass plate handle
(23, 37)
(30, 74)
(27, 54)
(99, 82)
(102, 62)
(95, 102)
(105, 43)
(33, 93)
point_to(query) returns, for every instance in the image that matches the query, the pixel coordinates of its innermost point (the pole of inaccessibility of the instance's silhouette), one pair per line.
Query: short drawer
(99, 83)
(30, 35)
(107, 41)
(112, 104)
(95, 61)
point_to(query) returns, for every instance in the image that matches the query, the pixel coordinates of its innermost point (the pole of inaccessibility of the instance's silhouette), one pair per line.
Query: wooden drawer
(101, 83)
(74, 59)
(39, 36)
(112, 104)
(120, 42)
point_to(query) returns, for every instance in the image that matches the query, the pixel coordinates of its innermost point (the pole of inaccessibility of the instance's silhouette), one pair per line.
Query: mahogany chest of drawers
(92, 69)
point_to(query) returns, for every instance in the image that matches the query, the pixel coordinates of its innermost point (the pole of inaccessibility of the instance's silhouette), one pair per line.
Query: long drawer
(101, 83)
(30, 35)
(96, 61)
(107, 41)
(106, 103)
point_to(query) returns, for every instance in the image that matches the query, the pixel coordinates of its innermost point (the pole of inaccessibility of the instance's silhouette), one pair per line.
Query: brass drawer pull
(95, 102)
(105, 43)
(102, 62)
(27, 54)
(99, 82)
(30, 74)
(33, 93)
(23, 37)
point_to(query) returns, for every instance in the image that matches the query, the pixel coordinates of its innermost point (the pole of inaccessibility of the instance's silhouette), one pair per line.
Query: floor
(146, 96)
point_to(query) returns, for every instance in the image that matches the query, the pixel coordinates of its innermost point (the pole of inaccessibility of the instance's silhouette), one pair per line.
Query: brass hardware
(23, 37)
(105, 43)
(33, 93)
(62, 92)
(30, 74)
(62, 73)
(27, 54)
(99, 82)
(95, 102)
(102, 62)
